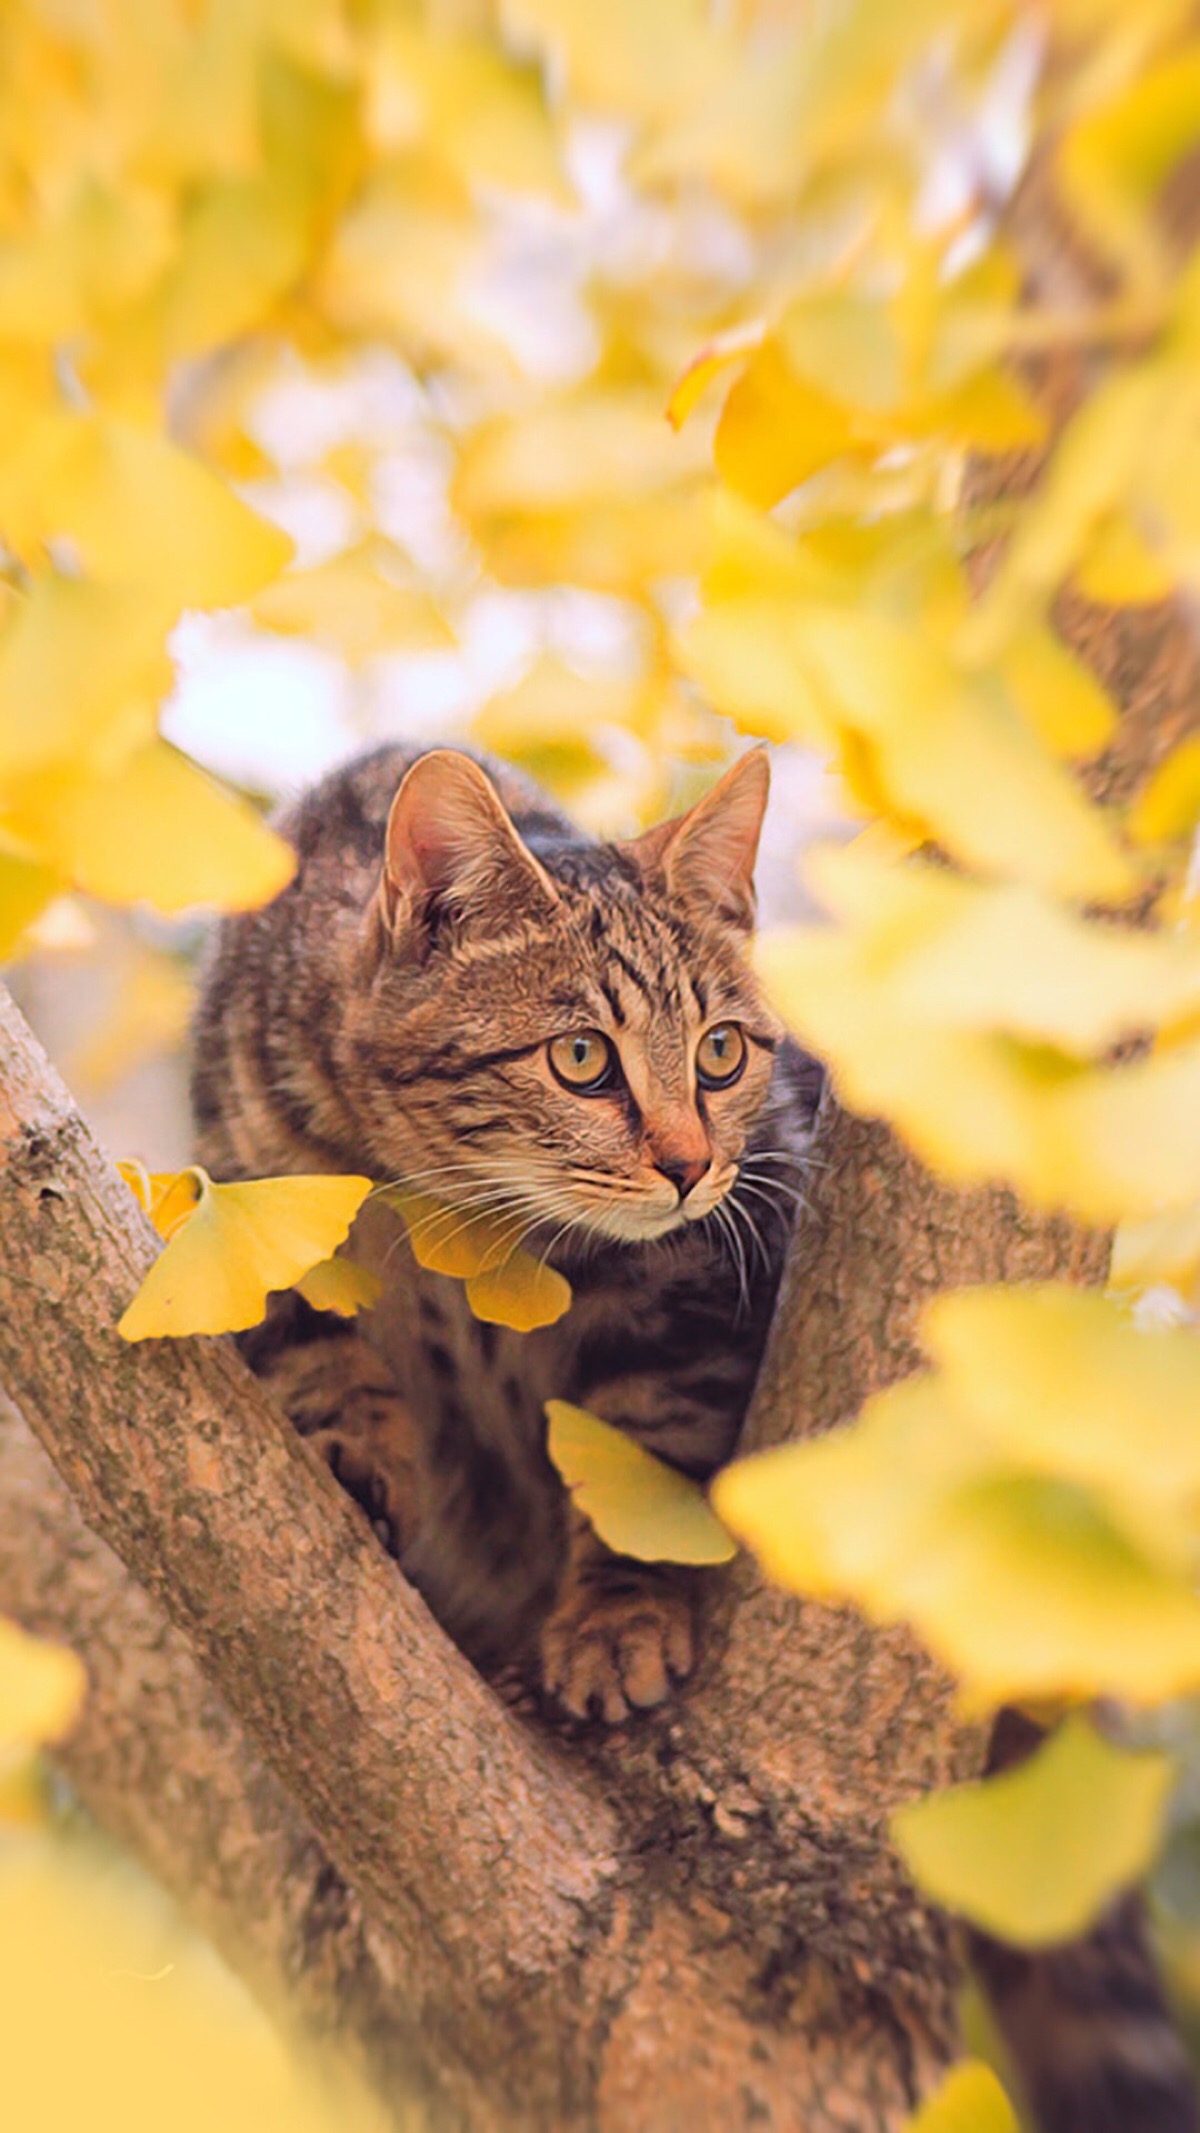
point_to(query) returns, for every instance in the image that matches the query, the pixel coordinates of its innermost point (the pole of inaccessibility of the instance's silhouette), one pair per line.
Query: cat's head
(561, 1032)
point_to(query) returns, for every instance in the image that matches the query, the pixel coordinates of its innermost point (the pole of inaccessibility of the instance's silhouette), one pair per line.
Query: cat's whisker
(494, 1203)
(772, 1190)
(764, 1184)
(721, 1213)
(738, 1211)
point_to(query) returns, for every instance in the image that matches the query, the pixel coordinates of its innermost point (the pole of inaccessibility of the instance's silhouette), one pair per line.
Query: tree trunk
(696, 1917)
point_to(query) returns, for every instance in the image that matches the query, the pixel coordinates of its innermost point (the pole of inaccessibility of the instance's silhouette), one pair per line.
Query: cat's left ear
(452, 851)
(708, 854)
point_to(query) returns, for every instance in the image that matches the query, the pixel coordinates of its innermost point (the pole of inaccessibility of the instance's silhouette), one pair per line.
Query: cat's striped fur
(391, 1016)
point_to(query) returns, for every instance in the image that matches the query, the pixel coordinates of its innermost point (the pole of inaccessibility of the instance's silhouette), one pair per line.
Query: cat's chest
(488, 1381)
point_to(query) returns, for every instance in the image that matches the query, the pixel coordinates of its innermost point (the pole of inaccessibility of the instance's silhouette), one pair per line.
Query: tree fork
(696, 1915)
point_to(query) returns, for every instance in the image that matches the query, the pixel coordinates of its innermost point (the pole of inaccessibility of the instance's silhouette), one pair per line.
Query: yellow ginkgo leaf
(1090, 477)
(970, 2100)
(1118, 568)
(91, 659)
(338, 1284)
(1169, 806)
(1057, 694)
(41, 1688)
(980, 955)
(25, 889)
(1034, 1854)
(775, 430)
(505, 1284)
(522, 1292)
(157, 828)
(141, 511)
(1068, 1383)
(951, 753)
(169, 1197)
(1160, 1248)
(637, 1505)
(1022, 1584)
(447, 1241)
(1110, 1142)
(353, 604)
(239, 1243)
(723, 351)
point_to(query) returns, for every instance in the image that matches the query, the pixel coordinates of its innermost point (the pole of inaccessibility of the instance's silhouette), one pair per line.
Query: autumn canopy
(733, 351)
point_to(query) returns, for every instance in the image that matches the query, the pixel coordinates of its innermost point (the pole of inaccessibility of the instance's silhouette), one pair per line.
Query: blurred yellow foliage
(121, 2021)
(784, 332)
(1033, 1854)
(1032, 1505)
(970, 2100)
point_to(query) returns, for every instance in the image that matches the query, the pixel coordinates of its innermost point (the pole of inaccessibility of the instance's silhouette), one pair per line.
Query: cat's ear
(452, 852)
(708, 855)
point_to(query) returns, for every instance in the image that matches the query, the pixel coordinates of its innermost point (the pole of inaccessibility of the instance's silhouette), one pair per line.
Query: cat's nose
(682, 1173)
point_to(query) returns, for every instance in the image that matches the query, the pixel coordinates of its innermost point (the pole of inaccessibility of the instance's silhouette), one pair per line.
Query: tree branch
(481, 1857)
(160, 1762)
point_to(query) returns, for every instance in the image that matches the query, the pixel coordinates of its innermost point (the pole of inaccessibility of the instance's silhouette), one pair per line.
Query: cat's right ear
(452, 854)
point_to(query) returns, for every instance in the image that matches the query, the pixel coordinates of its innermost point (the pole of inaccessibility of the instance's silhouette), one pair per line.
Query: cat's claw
(617, 1655)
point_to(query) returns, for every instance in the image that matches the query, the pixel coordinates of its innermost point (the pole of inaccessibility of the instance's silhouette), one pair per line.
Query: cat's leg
(621, 1633)
(340, 1396)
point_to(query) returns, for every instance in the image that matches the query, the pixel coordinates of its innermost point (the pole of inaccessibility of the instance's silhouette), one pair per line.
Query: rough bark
(164, 1767)
(696, 1918)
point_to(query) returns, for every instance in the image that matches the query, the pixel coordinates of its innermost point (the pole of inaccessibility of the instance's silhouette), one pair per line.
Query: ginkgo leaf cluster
(1009, 1502)
(230, 1246)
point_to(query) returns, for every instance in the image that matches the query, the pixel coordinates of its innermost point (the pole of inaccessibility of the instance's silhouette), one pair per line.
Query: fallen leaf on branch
(638, 1505)
(231, 1245)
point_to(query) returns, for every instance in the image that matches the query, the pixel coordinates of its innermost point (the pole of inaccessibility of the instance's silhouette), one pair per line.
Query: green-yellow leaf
(1033, 1855)
(239, 1243)
(339, 1285)
(637, 1505)
(1068, 1383)
(970, 2100)
(157, 828)
(522, 1293)
(41, 1688)
(505, 1284)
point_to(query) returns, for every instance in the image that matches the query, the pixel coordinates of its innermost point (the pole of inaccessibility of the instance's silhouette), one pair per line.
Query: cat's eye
(585, 1061)
(720, 1055)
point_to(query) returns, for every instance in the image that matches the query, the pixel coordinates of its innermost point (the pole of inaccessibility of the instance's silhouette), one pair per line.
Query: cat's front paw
(605, 1655)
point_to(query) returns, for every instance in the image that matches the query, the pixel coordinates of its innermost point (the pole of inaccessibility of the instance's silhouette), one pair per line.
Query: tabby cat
(460, 991)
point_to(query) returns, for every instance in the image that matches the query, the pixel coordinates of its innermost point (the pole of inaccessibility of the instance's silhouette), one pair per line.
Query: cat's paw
(605, 1655)
(372, 1490)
